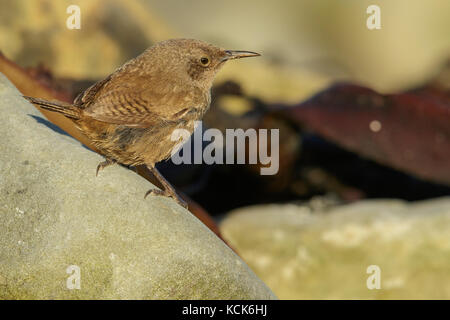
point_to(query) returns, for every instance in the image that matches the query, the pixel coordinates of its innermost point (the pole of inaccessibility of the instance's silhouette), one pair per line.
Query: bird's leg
(104, 164)
(168, 191)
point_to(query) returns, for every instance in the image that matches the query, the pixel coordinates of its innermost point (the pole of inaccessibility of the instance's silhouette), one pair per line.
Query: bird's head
(194, 61)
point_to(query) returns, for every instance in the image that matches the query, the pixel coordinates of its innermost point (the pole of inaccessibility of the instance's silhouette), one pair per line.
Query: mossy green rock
(302, 254)
(56, 217)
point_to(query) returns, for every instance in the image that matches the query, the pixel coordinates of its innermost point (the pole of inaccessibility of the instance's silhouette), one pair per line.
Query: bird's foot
(166, 193)
(104, 164)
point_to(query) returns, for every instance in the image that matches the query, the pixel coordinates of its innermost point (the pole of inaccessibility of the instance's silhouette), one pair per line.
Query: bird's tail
(67, 110)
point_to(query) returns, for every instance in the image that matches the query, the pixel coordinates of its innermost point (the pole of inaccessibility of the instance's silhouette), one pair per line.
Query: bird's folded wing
(138, 107)
(88, 95)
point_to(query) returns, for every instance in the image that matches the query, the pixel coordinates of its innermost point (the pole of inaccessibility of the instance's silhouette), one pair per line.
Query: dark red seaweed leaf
(407, 131)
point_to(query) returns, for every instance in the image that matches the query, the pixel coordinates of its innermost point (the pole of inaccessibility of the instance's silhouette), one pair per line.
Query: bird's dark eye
(204, 61)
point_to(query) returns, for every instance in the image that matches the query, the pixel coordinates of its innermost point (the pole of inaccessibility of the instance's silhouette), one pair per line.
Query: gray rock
(302, 254)
(54, 214)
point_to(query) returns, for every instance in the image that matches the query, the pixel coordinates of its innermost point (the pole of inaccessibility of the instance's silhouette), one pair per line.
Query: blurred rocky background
(363, 114)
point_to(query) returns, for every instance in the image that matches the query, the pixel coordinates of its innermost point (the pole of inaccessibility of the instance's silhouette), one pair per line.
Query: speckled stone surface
(54, 213)
(302, 254)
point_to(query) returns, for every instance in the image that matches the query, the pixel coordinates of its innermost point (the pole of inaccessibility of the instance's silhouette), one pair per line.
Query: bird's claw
(99, 167)
(155, 192)
(174, 196)
(103, 165)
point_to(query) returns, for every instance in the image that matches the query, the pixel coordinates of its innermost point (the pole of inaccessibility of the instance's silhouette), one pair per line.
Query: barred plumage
(131, 114)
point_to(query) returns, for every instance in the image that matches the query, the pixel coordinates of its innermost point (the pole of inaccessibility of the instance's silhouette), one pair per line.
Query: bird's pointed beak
(237, 54)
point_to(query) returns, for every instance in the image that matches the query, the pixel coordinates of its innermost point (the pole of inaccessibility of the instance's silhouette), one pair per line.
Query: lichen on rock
(328, 254)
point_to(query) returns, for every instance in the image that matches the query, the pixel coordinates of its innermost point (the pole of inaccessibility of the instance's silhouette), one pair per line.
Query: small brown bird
(130, 115)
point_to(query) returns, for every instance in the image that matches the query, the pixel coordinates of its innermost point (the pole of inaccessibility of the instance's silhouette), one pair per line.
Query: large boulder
(377, 249)
(61, 227)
